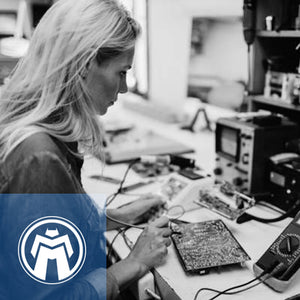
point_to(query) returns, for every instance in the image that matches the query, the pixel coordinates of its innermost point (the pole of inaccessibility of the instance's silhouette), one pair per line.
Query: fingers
(161, 222)
(166, 232)
(151, 247)
(161, 235)
(167, 241)
(154, 213)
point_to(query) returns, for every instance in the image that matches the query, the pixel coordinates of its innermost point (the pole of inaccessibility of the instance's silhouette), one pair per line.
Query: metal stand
(191, 126)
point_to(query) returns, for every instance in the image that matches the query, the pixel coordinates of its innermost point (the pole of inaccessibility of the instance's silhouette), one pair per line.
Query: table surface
(253, 236)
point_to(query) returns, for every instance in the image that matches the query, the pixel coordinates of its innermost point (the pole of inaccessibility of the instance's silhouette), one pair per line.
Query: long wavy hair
(46, 92)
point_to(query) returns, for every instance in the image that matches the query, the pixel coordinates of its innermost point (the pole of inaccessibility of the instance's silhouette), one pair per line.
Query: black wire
(126, 173)
(110, 249)
(247, 217)
(271, 271)
(230, 293)
(225, 292)
(211, 290)
(239, 291)
(128, 243)
(235, 287)
(270, 207)
(123, 223)
(108, 200)
(112, 197)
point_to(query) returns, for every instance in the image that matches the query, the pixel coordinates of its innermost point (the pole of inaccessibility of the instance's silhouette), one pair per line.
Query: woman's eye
(123, 73)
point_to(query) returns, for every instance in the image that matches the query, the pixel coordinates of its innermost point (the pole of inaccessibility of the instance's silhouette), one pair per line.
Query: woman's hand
(142, 210)
(150, 249)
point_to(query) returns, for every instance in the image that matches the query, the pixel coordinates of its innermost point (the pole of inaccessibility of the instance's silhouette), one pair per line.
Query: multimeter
(284, 251)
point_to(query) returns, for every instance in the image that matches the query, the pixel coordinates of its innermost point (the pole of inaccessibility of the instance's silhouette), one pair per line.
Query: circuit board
(206, 245)
(225, 200)
(214, 203)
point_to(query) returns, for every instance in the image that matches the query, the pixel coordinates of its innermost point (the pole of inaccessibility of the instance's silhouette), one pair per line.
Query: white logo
(52, 250)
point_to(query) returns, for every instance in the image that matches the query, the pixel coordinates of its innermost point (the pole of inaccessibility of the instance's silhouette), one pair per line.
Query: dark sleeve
(91, 287)
(45, 173)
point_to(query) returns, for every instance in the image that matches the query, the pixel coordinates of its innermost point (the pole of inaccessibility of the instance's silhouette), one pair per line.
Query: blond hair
(46, 92)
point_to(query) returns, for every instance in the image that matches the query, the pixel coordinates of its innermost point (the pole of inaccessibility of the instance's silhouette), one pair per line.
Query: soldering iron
(169, 159)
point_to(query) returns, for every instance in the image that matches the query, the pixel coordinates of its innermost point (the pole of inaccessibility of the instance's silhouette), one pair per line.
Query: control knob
(218, 171)
(289, 245)
(237, 181)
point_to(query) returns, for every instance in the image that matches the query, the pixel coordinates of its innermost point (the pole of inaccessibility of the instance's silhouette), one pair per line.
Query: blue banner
(50, 245)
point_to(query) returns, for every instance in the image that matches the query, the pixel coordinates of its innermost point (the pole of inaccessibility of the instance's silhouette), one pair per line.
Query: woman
(75, 67)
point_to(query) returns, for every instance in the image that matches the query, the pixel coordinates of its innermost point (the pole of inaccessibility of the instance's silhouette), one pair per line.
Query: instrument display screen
(229, 139)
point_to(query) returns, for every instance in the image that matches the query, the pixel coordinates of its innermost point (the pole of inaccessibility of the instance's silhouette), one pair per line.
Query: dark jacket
(41, 178)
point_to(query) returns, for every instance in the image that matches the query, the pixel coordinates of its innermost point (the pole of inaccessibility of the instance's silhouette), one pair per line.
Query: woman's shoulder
(39, 159)
(36, 144)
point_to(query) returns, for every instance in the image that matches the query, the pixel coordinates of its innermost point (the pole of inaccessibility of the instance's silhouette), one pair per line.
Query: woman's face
(105, 81)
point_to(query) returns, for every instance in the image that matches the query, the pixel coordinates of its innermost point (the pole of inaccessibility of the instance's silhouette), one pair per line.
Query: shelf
(291, 111)
(275, 102)
(279, 34)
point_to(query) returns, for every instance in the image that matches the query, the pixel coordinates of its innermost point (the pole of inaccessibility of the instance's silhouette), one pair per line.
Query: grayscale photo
(149, 149)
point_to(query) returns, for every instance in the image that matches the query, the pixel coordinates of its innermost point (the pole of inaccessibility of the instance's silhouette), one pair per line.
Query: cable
(110, 248)
(236, 292)
(123, 223)
(271, 271)
(226, 291)
(127, 241)
(247, 217)
(265, 204)
(112, 197)
(232, 293)
(242, 290)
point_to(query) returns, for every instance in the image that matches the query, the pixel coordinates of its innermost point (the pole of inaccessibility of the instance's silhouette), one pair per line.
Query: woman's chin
(102, 111)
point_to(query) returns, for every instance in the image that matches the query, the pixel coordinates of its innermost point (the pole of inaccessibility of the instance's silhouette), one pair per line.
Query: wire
(247, 217)
(113, 196)
(274, 269)
(110, 248)
(127, 241)
(226, 291)
(232, 293)
(265, 204)
(110, 198)
(242, 290)
(123, 223)
(212, 290)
